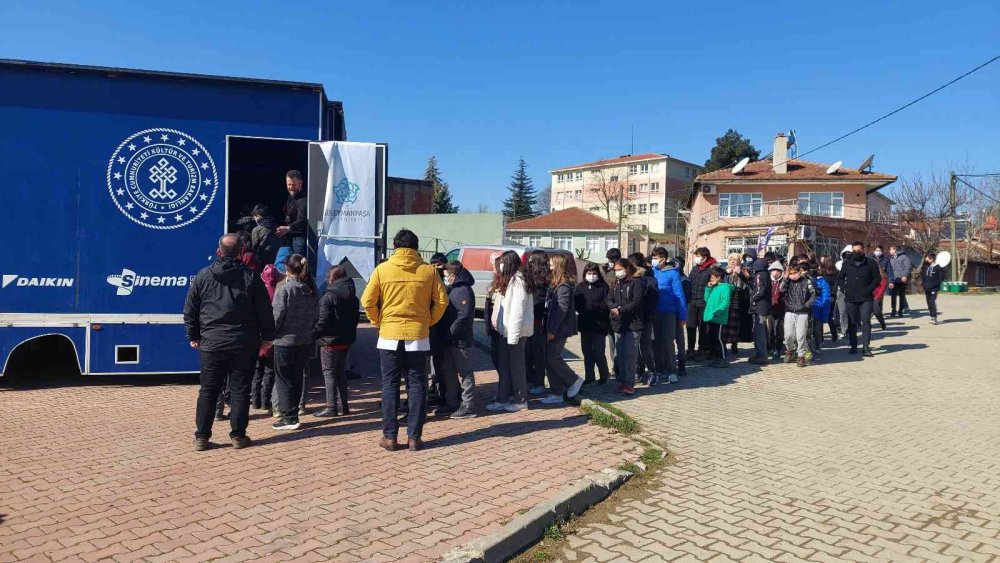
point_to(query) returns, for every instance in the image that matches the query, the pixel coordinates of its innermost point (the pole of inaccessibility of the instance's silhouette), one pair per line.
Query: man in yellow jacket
(404, 298)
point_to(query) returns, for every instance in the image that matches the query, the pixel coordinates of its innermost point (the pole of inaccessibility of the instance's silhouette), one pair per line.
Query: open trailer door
(347, 206)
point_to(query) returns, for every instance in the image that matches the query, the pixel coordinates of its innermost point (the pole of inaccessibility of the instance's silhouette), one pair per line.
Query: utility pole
(953, 202)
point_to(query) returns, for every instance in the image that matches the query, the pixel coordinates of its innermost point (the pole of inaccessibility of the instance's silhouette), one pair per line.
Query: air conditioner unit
(709, 189)
(807, 233)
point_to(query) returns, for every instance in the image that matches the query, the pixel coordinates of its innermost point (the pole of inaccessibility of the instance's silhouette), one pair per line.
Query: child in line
(799, 294)
(718, 295)
(776, 321)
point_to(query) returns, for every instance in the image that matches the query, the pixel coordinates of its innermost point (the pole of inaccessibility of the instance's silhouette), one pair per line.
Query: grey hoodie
(295, 313)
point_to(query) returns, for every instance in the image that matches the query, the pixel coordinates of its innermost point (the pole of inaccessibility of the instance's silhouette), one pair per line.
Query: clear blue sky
(481, 84)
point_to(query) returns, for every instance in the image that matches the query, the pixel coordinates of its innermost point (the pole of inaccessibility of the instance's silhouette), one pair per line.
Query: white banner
(349, 218)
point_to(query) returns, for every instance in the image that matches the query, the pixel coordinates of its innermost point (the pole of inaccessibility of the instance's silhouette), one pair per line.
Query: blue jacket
(822, 305)
(670, 293)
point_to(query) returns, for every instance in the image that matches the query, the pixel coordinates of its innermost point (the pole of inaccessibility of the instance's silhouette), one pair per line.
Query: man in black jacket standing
(859, 276)
(296, 223)
(462, 299)
(227, 315)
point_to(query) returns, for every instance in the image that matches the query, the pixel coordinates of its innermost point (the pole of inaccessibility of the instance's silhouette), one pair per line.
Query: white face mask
(655, 262)
(620, 274)
(591, 278)
(447, 281)
(501, 268)
(699, 260)
(877, 253)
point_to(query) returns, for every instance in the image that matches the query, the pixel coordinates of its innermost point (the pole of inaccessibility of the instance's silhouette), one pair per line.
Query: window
(563, 242)
(631, 189)
(595, 209)
(740, 205)
(827, 246)
(613, 178)
(559, 178)
(777, 244)
(535, 240)
(632, 170)
(578, 176)
(559, 196)
(642, 209)
(980, 275)
(593, 243)
(579, 195)
(643, 188)
(630, 209)
(654, 207)
(127, 354)
(569, 194)
(609, 243)
(644, 168)
(824, 204)
(654, 188)
(516, 239)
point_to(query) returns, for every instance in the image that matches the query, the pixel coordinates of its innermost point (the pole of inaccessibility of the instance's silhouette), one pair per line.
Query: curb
(525, 529)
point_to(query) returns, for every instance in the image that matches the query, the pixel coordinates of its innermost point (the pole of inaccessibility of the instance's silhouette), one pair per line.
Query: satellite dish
(867, 163)
(943, 259)
(839, 264)
(741, 165)
(834, 167)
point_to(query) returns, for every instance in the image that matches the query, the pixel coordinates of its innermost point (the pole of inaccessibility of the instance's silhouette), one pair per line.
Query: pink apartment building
(654, 187)
(809, 209)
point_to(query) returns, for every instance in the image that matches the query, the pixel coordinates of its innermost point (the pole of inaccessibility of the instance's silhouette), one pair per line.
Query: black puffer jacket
(760, 288)
(699, 279)
(798, 295)
(228, 308)
(627, 296)
(592, 310)
(858, 279)
(462, 300)
(338, 314)
(560, 318)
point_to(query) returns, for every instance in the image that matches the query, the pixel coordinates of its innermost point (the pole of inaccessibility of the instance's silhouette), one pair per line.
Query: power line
(978, 175)
(977, 190)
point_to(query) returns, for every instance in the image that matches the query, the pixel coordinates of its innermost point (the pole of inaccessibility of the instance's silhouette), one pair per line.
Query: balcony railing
(791, 208)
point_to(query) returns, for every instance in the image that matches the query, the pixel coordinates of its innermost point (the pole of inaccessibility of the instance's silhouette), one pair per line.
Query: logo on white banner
(128, 280)
(18, 281)
(162, 178)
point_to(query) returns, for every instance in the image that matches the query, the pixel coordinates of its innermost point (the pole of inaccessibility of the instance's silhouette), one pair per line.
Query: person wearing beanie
(776, 321)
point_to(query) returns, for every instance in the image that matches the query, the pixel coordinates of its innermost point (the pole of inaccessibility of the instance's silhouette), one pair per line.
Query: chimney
(779, 158)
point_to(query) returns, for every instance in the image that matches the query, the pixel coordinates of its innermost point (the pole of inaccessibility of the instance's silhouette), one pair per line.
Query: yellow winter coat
(404, 297)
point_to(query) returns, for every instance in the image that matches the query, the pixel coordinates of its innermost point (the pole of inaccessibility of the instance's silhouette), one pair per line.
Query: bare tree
(543, 203)
(610, 185)
(483, 208)
(923, 208)
(980, 211)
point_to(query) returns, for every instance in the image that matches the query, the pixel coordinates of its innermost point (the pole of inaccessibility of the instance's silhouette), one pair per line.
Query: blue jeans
(396, 363)
(627, 344)
(759, 336)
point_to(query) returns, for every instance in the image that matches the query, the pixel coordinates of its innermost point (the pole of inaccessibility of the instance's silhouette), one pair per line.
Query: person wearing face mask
(613, 255)
(901, 267)
(593, 322)
(859, 277)
(625, 300)
(776, 320)
(646, 365)
(760, 306)
(739, 325)
(933, 277)
(697, 330)
(886, 265)
(718, 294)
(458, 282)
(671, 309)
(799, 294)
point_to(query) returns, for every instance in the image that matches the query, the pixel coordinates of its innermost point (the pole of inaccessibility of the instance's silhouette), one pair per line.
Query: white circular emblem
(162, 178)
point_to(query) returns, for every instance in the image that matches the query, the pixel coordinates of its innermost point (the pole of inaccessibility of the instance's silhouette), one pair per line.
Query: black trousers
(395, 365)
(899, 292)
(713, 335)
(449, 388)
(263, 382)
(594, 354)
(931, 295)
(289, 363)
(534, 357)
(696, 327)
(218, 367)
(335, 375)
(859, 314)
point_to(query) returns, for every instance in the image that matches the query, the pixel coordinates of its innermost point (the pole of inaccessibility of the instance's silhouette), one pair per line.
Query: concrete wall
(441, 232)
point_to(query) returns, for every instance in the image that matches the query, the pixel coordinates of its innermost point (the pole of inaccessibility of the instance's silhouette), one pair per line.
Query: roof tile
(797, 170)
(570, 219)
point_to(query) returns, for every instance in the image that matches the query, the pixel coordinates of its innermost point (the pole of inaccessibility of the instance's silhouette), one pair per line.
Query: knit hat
(776, 266)
(750, 252)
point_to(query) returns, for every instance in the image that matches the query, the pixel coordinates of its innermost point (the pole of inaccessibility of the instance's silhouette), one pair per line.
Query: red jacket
(882, 285)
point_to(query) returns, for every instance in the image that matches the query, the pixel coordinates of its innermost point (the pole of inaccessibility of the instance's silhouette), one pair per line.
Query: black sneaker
(444, 411)
(201, 444)
(285, 425)
(463, 412)
(326, 413)
(240, 442)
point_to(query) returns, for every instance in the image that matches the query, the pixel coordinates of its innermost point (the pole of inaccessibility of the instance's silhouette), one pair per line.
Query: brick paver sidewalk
(107, 470)
(891, 458)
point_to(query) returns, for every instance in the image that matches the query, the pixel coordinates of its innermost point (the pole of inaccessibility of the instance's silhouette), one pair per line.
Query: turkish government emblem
(162, 178)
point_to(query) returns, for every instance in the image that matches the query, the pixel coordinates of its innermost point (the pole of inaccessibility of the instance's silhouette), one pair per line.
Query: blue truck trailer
(117, 185)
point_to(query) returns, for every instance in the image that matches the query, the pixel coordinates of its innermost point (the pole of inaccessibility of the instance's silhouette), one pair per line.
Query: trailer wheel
(44, 357)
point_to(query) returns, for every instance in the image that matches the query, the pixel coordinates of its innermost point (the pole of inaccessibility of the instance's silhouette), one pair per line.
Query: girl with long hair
(296, 307)
(560, 324)
(537, 273)
(513, 317)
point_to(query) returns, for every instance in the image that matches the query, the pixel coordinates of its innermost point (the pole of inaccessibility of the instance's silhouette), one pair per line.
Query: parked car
(479, 261)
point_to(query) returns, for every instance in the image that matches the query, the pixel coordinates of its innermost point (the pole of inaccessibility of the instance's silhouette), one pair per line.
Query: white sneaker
(575, 388)
(672, 378)
(515, 407)
(552, 400)
(496, 407)
(540, 390)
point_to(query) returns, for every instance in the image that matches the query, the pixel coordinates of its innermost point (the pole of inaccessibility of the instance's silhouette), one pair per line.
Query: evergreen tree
(523, 200)
(730, 149)
(442, 196)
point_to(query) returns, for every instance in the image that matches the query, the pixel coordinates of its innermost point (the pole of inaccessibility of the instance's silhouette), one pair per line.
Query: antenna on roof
(834, 167)
(741, 165)
(867, 163)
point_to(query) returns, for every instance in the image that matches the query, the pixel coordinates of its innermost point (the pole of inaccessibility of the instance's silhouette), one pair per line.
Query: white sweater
(517, 312)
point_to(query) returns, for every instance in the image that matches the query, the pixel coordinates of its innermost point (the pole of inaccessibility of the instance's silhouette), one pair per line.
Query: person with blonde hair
(560, 324)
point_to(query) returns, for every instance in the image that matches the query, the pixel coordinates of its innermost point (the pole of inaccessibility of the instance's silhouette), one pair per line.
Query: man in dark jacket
(703, 263)
(457, 322)
(296, 224)
(901, 267)
(263, 242)
(227, 315)
(760, 305)
(859, 276)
